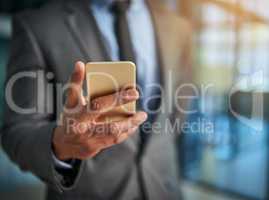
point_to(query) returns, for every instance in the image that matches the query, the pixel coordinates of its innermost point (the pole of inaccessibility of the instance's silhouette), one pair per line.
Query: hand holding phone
(86, 136)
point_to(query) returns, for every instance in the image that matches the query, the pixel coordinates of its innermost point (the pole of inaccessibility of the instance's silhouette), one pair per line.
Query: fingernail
(145, 115)
(130, 94)
(78, 66)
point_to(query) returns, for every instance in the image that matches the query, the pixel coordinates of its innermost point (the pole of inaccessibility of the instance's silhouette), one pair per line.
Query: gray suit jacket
(51, 39)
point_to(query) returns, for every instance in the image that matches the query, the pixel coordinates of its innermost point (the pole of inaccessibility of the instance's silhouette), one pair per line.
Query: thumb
(74, 93)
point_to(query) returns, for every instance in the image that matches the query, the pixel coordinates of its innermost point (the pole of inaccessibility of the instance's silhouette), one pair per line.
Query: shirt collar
(135, 4)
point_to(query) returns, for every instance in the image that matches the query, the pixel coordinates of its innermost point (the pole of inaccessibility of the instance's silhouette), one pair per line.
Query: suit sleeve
(28, 122)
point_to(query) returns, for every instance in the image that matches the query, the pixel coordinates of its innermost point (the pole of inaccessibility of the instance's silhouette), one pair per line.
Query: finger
(107, 142)
(105, 103)
(107, 130)
(115, 128)
(74, 93)
(70, 151)
(86, 149)
(125, 136)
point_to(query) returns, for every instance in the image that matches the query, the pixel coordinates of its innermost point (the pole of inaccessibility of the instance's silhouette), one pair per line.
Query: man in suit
(126, 162)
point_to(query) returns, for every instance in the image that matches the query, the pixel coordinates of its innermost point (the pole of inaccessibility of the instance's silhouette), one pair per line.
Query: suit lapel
(161, 47)
(84, 29)
(168, 47)
(165, 34)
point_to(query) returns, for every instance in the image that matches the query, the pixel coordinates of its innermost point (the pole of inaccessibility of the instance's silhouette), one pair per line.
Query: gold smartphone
(105, 78)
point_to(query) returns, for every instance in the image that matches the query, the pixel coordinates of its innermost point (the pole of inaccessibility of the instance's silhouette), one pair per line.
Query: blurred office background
(232, 61)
